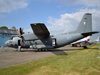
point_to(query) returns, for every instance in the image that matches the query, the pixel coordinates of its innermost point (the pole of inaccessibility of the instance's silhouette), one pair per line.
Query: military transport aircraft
(40, 38)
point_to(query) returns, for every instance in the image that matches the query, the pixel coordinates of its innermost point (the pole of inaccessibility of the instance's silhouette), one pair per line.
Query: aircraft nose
(6, 43)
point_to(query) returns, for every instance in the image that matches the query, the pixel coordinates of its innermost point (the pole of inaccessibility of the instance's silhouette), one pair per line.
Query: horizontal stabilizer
(89, 33)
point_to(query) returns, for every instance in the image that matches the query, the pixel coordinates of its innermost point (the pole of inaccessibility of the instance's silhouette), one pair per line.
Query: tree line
(5, 27)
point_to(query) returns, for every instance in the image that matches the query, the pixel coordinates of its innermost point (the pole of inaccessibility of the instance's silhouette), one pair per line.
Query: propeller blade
(21, 31)
(21, 40)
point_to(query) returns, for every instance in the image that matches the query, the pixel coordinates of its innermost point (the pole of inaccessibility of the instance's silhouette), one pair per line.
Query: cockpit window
(11, 38)
(14, 38)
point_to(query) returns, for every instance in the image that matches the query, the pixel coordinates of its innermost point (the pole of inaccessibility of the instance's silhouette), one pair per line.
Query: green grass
(77, 62)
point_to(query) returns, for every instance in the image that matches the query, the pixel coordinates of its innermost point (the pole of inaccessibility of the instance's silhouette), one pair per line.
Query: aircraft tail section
(86, 24)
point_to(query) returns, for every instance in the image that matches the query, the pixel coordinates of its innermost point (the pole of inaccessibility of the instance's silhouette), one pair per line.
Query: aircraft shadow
(54, 51)
(94, 48)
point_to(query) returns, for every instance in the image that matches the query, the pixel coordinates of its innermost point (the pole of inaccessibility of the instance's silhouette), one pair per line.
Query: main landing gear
(42, 50)
(85, 47)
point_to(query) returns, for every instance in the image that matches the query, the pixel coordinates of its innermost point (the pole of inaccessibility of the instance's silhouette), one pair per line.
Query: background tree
(4, 27)
(14, 28)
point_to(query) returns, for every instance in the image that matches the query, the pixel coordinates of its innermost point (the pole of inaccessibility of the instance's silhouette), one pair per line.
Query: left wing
(40, 29)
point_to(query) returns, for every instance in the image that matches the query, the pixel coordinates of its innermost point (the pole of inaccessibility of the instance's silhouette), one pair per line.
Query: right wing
(40, 29)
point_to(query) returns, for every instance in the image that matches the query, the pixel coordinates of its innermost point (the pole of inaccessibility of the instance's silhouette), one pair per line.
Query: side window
(11, 38)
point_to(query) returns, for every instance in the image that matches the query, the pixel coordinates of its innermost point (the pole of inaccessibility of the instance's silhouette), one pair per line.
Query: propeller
(21, 31)
(20, 41)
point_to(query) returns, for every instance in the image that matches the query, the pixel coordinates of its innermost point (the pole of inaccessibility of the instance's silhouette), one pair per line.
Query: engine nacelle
(41, 47)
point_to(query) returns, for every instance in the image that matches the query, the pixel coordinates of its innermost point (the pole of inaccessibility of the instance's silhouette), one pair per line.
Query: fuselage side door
(53, 41)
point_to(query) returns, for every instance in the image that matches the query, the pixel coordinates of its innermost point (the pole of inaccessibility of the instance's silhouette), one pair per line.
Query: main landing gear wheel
(46, 49)
(42, 50)
(85, 47)
(39, 50)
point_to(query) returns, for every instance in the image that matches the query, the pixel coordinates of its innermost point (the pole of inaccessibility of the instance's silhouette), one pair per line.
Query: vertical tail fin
(86, 24)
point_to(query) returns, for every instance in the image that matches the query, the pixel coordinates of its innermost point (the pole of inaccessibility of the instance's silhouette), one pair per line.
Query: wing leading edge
(40, 29)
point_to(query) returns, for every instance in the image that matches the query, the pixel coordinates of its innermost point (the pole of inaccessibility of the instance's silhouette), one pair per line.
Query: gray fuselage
(54, 41)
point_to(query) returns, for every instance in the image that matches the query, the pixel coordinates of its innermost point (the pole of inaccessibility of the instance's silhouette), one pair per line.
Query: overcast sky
(58, 15)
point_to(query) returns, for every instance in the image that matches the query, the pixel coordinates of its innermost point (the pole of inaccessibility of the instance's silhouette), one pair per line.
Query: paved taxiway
(10, 56)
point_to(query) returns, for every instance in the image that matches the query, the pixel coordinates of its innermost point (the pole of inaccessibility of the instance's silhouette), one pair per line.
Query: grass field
(77, 62)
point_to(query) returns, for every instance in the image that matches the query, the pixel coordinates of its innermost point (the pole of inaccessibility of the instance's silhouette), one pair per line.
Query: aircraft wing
(40, 29)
